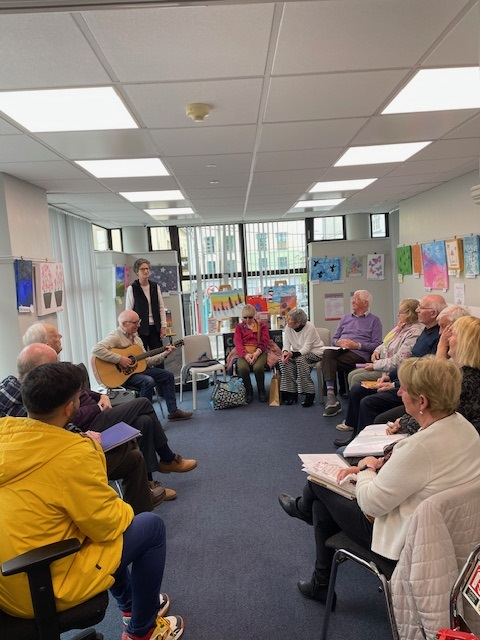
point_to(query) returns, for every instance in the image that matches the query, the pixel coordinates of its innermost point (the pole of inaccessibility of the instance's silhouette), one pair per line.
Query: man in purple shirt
(358, 334)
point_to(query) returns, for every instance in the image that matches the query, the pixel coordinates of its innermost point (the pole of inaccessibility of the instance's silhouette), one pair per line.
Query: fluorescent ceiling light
(341, 185)
(438, 90)
(179, 211)
(132, 168)
(144, 196)
(89, 109)
(318, 203)
(379, 153)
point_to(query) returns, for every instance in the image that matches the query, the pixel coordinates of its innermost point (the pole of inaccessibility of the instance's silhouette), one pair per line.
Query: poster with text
(434, 260)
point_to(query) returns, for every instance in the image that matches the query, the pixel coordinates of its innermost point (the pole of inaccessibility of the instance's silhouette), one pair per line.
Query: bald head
(129, 321)
(33, 356)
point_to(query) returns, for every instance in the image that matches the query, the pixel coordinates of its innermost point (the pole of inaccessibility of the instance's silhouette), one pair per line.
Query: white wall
(441, 214)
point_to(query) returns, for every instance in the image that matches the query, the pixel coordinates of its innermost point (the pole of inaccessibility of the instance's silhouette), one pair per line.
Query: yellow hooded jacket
(53, 486)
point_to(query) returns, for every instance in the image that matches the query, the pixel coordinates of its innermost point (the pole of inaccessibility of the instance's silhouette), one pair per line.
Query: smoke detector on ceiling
(197, 111)
(475, 193)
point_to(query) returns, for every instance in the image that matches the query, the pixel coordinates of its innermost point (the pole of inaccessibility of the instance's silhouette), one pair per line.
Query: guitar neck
(156, 352)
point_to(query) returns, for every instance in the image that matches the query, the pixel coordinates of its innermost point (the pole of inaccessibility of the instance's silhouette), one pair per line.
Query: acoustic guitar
(112, 375)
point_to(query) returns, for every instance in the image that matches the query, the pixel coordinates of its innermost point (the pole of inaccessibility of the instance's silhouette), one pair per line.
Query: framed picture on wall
(454, 250)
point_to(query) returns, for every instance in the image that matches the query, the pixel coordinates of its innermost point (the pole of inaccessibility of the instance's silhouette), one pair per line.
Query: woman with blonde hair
(396, 346)
(251, 343)
(444, 453)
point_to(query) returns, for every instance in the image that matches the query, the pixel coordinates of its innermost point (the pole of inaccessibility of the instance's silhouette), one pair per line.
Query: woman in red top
(251, 342)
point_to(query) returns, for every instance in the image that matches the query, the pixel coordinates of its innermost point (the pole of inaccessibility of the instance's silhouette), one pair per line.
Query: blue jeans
(154, 377)
(136, 589)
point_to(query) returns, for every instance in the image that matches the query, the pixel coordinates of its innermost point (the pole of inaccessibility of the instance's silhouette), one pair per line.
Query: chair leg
(194, 389)
(337, 559)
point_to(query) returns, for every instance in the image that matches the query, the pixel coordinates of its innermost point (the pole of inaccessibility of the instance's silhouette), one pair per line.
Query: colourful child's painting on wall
(353, 266)
(49, 284)
(24, 285)
(325, 269)
(119, 282)
(227, 304)
(471, 255)
(166, 276)
(376, 266)
(404, 260)
(434, 259)
(417, 259)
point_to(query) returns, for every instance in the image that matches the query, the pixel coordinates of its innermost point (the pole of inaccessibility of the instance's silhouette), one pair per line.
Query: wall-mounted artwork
(376, 266)
(404, 260)
(434, 259)
(354, 266)
(417, 259)
(278, 298)
(326, 269)
(49, 287)
(166, 276)
(471, 255)
(127, 271)
(119, 282)
(259, 302)
(454, 249)
(227, 304)
(24, 285)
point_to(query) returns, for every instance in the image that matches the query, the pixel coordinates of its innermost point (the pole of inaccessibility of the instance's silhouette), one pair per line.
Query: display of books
(323, 469)
(117, 435)
(371, 441)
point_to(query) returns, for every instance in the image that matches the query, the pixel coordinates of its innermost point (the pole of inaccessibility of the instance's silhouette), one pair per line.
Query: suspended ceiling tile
(205, 140)
(100, 145)
(298, 159)
(460, 46)
(286, 136)
(22, 148)
(186, 44)
(40, 170)
(202, 165)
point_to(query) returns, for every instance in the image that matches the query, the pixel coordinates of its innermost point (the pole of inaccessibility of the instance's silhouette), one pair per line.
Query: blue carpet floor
(233, 555)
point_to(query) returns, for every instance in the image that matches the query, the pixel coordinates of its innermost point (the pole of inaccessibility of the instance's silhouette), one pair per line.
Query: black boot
(316, 592)
(262, 396)
(289, 398)
(248, 390)
(309, 398)
(290, 506)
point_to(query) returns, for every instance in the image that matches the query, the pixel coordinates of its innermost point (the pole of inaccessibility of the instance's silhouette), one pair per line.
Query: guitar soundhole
(127, 371)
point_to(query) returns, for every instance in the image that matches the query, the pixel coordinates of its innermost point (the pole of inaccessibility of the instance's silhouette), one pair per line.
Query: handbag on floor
(274, 400)
(229, 394)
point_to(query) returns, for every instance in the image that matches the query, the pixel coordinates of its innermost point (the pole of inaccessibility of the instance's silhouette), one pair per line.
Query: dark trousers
(126, 463)
(332, 513)
(138, 413)
(243, 370)
(153, 377)
(334, 360)
(391, 415)
(152, 341)
(137, 588)
(364, 405)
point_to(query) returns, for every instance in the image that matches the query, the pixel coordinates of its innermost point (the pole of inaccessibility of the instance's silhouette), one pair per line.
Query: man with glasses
(126, 335)
(364, 405)
(145, 298)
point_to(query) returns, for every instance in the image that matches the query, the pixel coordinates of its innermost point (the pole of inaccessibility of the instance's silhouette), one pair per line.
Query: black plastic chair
(382, 568)
(48, 624)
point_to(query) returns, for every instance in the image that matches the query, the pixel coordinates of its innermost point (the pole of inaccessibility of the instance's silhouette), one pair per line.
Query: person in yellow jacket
(53, 486)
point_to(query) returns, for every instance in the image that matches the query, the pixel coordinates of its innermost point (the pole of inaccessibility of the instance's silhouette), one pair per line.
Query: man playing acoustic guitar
(142, 375)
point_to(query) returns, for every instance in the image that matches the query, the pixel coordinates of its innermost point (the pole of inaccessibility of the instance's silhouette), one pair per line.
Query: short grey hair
(364, 295)
(298, 316)
(35, 333)
(453, 312)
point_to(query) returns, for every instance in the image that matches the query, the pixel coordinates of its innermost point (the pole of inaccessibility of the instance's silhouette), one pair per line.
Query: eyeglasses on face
(137, 322)
(426, 308)
(249, 317)
(144, 269)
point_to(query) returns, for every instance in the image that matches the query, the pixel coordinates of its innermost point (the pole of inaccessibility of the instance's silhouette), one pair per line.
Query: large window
(160, 238)
(329, 228)
(100, 238)
(379, 225)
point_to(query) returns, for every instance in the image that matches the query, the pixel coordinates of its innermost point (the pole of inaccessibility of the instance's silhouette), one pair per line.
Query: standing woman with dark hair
(145, 298)
(302, 347)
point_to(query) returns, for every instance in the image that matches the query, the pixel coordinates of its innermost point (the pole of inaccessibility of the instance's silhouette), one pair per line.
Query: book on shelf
(371, 441)
(323, 468)
(117, 435)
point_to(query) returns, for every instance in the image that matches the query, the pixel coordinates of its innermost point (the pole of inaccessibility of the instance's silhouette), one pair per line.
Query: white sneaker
(343, 427)
(169, 628)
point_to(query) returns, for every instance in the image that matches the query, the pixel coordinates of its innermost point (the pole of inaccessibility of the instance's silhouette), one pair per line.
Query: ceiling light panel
(341, 185)
(380, 153)
(89, 109)
(128, 168)
(308, 204)
(438, 90)
(144, 196)
(178, 211)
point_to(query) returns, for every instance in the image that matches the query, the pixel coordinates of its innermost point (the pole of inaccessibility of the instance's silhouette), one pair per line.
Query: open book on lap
(117, 435)
(322, 468)
(371, 441)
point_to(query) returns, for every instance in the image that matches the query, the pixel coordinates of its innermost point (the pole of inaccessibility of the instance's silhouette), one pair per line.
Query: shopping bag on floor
(227, 395)
(274, 400)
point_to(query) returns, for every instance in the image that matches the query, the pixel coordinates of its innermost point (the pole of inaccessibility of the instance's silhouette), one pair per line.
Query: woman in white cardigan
(443, 453)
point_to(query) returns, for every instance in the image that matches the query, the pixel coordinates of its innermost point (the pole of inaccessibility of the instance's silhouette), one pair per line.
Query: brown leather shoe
(178, 414)
(160, 493)
(177, 465)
